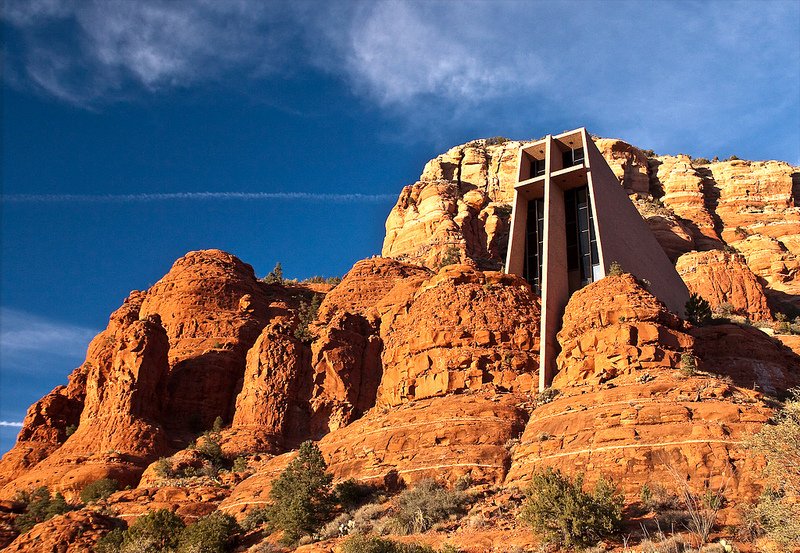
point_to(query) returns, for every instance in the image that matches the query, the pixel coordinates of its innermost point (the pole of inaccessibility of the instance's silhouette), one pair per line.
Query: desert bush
(777, 513)
(155, 531)
(559, 509)
(306, 313)
(649, 153)
(70, 430)
(99, 489)
(163, 468)
(111, 542)
(657, 499)
(496, 140)
(451, 256)
(275, 276)
(698, 310)
(615, 269)
(418, 509)
(209, 447)
(239, 464)
(701, 161)
(214, 533)
(39, 506)
(701, 509)
(372, 544)
(688, 364)
(725, 309)
(301, 496)
(255, 518)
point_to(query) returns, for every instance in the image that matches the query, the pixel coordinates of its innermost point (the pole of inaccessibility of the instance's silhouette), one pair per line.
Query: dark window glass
(581, 241)
(572, 157)
(537, 168)
(534, 244)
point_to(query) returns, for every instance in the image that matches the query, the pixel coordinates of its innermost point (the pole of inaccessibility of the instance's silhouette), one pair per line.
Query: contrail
(11, 423)
(128, 198)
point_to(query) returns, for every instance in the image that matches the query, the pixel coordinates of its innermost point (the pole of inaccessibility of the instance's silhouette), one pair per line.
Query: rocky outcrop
(628, 407)
(213, 309)
(726, 282)
(461, 330)
(629, 164)
(73, 532)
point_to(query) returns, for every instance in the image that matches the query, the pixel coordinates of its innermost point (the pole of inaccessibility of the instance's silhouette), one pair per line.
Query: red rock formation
(45, 426)
(73, 532)
(461, 330)
(724, 278)
(625, 411)
(628, 163)
(213, 309)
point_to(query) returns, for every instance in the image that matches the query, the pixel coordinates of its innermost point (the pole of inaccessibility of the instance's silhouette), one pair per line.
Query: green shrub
(239, 464)
(275, 276)
(496, 140)
(70, 430)
(99, 489)
(210, 448)
(301, 496)
(163, 468)
(649, 153)
(698, 310)
(39, 506)
(111, 542)
(372, 544)
(155, 531)
(214, 533)
(306, 313)
(776, 514)
(451, 256)
(418, 509)
(559, 509)
(615, 269)
(255, 518)
(688, 364)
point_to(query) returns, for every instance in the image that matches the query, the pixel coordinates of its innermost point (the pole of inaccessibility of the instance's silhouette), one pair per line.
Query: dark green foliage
(351, 493)
(504, 210)
(275, 276)
(649, 153)
(239, 464)
(111, 542)
(496, 140)
(418, 509)
(39, 506)
(306, 314)
(372, 544)
(688, 364)
(451, 256)
(256, 518)
(163, 468)
(156, 531)
(70, 430)
(333, 281)
(214, 533)
(209, 448)
(301, 496)
(218, 425)
(559, 509)
(698, 310)
(99, 489)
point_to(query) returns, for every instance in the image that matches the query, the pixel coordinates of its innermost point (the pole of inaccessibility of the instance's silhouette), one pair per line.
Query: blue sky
(272, 107)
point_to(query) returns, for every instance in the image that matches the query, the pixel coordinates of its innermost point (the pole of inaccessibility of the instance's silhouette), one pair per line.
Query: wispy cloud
(201, 196)
(15, 424)
(22, 333)
(711, 73)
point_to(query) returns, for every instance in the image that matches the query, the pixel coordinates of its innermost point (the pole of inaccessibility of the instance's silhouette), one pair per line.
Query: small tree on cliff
(301, 496)
(276, 275)
(698, 310)
(306, 314)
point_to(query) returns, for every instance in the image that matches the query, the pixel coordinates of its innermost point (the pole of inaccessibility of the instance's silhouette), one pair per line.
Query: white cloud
(15, 424)
(22, 333)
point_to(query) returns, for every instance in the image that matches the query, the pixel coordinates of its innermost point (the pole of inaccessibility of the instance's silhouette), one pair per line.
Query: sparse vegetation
(351, 493)
(418, 509)
(649, 153)
(39, 506)
(701, 508)
(688, 364)
(558, 508)
(374, 544)
(698, 310)
(155, 531)
(209, 447)
(70, 430)
(451, 256)
(163, 468)
(503, 210)
(544, 397)
(333, 281)
(496, 140)
(733, 158)
(615, 269)
(700, 161)
(724, 310)
(99, 489)
(239, 464)
(777, 512)
(275, 276)
(211, 534)
(301, 496)
(306, 313)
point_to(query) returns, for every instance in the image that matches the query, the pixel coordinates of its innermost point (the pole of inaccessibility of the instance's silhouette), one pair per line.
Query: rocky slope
(410, 370)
